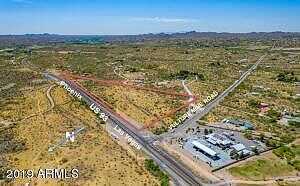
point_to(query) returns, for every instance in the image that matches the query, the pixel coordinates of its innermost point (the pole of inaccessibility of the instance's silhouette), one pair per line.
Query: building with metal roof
(218, 139)
(238, 147)
(206, 150)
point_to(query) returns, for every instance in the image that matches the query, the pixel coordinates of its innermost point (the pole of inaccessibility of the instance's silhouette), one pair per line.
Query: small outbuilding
(238, 147)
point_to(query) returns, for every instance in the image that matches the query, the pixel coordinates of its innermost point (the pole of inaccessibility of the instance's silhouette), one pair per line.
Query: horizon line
(148, 33)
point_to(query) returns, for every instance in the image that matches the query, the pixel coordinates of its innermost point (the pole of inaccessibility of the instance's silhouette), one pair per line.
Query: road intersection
(190, 122)
(180, 173)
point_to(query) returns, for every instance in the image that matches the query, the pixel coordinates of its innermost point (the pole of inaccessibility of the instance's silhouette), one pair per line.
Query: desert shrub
(294, 123)
(160, 130)
(273, 114)
(287, 138)
(284, 152)
(248, 134)
(288, 77)
(155, 170)
(272, 143)
(253, 103)
(184, 74)
(296, 164)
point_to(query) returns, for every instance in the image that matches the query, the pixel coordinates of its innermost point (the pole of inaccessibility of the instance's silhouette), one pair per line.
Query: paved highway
(179, 173)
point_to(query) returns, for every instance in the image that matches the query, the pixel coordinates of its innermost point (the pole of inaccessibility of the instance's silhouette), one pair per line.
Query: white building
(204, 149)
(241, 149)
(218, 139)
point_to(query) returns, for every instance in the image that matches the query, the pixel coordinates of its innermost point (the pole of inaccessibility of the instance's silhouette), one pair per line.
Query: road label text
(70, 90)
(97, 111)
(130, 140)
(194, 109)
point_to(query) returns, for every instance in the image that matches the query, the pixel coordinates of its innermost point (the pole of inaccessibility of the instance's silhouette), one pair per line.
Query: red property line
(154, 121)
(103, 103)
(125, 84)
(147, 125)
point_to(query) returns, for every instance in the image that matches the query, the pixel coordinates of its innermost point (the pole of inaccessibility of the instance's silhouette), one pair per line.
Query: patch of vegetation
(253, 103)
(296, 164)
(3, 168)
(215, 64)
(184, 74)
(8, 143)
(261, 169)
(155, 170)
(132, 69)
(160, 130)
(288, 77)
(248, 134)
(272, 143)
(273, 114)
(294, 123)
(290, 154)
(284, 152)
(287, 138)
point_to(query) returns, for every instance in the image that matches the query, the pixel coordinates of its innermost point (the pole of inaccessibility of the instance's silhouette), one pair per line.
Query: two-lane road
(200, 113)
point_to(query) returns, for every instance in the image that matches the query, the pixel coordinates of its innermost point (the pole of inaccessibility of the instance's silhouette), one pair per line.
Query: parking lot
(223, 155)
(222, 147)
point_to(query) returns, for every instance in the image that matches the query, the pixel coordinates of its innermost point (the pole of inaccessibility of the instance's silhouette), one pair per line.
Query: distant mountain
(203, 35)
(42, 39)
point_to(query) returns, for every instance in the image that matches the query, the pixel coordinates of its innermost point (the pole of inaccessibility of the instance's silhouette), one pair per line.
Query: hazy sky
(145, 16)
